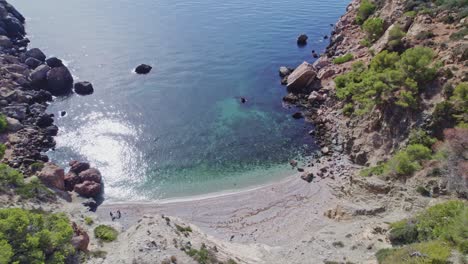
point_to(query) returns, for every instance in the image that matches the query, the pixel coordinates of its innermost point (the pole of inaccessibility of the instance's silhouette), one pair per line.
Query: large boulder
(84, 88)
(59, 81)
(36, 53)
(44, 120)
(39, 75)
(54, 62)
(53, 176)
(301, 78)
(12, 10)
(71, 179)
(143, 69)
(32, 63)
(13, 124)
(14, 27)
(302, 40)
(88, 189)
(91, 174)
(77, 166)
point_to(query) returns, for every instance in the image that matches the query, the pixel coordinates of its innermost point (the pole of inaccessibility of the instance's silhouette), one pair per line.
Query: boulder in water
(301, 78)
(84, 88)
(88, 189)
(39, 75)
(302, 40)
(284, 71)
(143, 69)
(32, 63)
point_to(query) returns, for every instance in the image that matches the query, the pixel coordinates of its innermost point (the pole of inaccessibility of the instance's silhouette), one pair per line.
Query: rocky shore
(326, 213)
(29, 82)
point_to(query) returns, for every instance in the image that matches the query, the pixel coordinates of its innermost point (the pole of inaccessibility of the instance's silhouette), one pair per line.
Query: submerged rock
(297, 115)
(143, 69)
(302, 40)
(84, 88)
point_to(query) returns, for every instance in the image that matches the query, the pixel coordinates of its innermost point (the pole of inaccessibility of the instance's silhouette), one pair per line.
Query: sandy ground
(282, 222)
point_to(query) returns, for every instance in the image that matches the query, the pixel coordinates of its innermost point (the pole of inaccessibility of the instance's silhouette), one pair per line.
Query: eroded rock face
(88, 189)
(301, 78)
(53, 176)
(59, 81)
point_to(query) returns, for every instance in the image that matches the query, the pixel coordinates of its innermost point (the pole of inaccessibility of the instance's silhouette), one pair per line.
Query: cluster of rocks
(29, 80)
(81, 178)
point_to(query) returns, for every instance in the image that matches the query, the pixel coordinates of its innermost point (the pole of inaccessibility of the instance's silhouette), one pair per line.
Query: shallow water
(180, 130)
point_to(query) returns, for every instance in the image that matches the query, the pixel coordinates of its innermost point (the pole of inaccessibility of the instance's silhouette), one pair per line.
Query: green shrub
(11, 179)
(88, 220)
(419, 136)
(2, 150)
(423, 191)
(395, 39)
(105, 233)
(183, 229)
(3, 123)
(376, 170)
(365, 43)
(447, 221)
(418, 152)
(390, 79)
(374, 28)
(365, 10)
(424, 35)
(202, 256)
(31, 237)
(343, 59)
(429, 253)
(36, 166)
(415, 62)
(401, 164)
(410, 13)
(348, 109)
(459, 35)
(403, 232)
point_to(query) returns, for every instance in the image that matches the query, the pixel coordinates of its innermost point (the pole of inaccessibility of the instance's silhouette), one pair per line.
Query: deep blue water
(180, 130)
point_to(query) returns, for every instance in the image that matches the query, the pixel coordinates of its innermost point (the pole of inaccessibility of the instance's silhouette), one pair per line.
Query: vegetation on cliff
(34, 237)
(432, 234)
(390, 79)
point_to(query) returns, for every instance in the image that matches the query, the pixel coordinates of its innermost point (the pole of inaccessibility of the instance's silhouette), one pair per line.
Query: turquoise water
(180, 130)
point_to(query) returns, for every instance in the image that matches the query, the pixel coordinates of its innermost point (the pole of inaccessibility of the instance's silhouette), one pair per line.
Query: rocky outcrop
(301, 79)
(53, 176)
(88, 189)
(83, 179)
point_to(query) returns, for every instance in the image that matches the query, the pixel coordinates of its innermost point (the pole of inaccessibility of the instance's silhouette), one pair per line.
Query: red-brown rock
(52, 176)
(77, 166)
(88, 189)
(91, 175)
(80, 239)
(71, 179)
